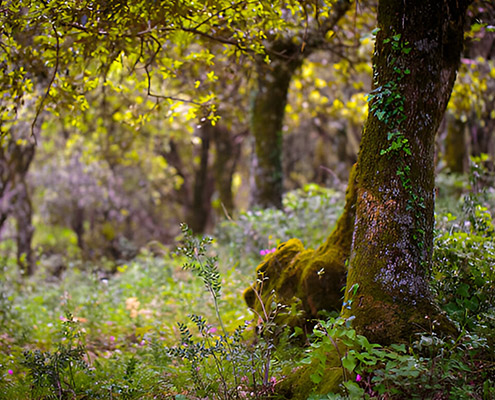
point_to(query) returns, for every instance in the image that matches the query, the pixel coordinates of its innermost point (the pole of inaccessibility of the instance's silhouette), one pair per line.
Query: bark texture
(393, 236)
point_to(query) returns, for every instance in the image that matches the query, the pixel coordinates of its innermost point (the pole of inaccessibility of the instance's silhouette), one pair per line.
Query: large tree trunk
(393, 235)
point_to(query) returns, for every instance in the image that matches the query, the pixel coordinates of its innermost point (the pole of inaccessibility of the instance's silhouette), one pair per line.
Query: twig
(173, 98)
(50, 84)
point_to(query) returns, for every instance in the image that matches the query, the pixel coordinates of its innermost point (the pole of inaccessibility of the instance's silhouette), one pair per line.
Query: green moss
(299, 386)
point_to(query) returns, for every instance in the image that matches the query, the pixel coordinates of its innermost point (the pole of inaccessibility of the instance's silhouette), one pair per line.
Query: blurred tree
(470, 119)
(16, 156)
(286, 52)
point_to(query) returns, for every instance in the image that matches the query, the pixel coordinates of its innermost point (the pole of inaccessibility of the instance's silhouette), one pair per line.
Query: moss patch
(299, 386)
(305, 281)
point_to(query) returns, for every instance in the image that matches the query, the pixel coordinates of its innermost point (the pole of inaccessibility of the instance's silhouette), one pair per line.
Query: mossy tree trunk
(386, 230)
(416, 58)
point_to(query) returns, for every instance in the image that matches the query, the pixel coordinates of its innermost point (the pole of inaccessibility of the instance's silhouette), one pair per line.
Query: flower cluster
(264, 252)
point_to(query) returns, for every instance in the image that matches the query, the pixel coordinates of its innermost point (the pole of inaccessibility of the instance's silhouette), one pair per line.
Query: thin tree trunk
(228, 148)
(23, 213)
(455, 145)
(15, 160)
(199, 212)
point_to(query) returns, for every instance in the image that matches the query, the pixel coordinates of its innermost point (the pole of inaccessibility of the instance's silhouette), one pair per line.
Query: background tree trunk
(455, 145)
(15, 159)
(199, 211)
(23, 213)
(268, 109)
(267, 116)
(227, 152)
(416, 57)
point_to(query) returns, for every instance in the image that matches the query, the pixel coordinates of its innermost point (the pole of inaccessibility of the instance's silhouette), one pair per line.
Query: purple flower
(262, 252)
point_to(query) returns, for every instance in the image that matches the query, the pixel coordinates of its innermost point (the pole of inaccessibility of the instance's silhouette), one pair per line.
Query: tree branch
(50, 84)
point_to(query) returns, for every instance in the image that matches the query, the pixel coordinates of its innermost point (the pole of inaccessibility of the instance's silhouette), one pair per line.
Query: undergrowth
(153, 329)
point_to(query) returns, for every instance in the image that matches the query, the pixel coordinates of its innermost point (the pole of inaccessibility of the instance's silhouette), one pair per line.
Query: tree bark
(392, 244)
(267, 116)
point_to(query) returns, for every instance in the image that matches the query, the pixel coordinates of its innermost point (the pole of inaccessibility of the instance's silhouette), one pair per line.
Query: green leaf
(355, 392)
(349, 362)
(463, 290)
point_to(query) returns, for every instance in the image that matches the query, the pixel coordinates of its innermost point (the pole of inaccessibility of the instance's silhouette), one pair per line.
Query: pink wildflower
(212, 330)
(262, 252)
(112, 338)
(10, 372)
(358, 378)
(274, 250)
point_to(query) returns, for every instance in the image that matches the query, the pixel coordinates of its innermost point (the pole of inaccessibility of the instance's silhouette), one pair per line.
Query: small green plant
(463, 259)
(53, 374)
(429, 367)
(219, 362)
